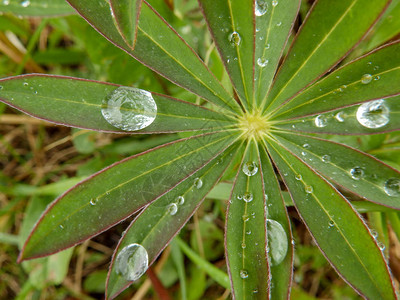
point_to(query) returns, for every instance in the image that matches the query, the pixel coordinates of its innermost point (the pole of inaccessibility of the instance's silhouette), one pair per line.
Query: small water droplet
(357, 173)
(239, 197)
(377, 77)
(243, 245)
(266, 197)
(373, 114)
(250, 168)
(6, 2)
(306, 146)
(172, 208)
(245, 218)
(235, 38)
(267, 46)
(61, 226)
(298, 177)
(339, 116)
(279, 24)
(326, 158)
(180, 200)
(262, 62)
(248, 232)
(25, 84)
(331, 223)
(320, 121)
(198, 183)
(303, 153)
(25, 3)
(274, 3)
(392, 187)
(381, 246)
(247, 197)
(374, 233)
(255, 291)
(366, 78)
(277, 241)
(261, 7)
(243, 274)
(132, 262)
(309, 189)
(1, 87)
(129, 108)
(93, 201)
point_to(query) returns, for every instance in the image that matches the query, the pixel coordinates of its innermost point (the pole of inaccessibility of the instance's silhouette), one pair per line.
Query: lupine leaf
(338, 230)
(78, 103)
(159, 222)
(116, 192)
(36, 8)
(321, 45)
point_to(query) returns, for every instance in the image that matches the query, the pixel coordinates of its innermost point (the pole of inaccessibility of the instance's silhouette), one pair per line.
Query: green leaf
(356, 171)
(160, 48)
(338, 230)
(161, 220)
(36, 8)
(246, 231)
(126, 13)
(231, 23)
(272, 33)
(371, 77)
(78, 103)
(116, 192)
(281, 274)
(319, 46)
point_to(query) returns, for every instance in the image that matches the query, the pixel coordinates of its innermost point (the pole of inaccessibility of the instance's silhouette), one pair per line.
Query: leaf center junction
(254, 125)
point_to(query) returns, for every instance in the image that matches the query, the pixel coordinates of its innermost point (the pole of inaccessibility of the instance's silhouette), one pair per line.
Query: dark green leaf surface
(118, 191)
(246, 233)
(372, 77)
(272, 32)
(156, 226)
(36, 8)
(357, 172)
(281, 274)
(231, 23)
(338, 230)
(126, 14)
(77, 103)
(160, 48)
(321, 45)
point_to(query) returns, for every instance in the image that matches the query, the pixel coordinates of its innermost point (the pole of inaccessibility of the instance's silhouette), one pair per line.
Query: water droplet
(298, 177)
(277, 241)
(255, 291)
(243, 274)
(374, 233)
(366, 78)
(247, 197)
(198, 183)
(132, 262)
(357, 173)
(261, 7)
(320, 121)
(339, 116)
(245, 218)
(373, 114)
(381, 246)
(6, 2)
(61, 226)
(172, 209)
(279, 24)
(235, 38)
(248, 232)
(392, 187)
(331, 223)
(267, 46)
(262, 62)
(239, 197)
(309, 189)
(306, 146)
(274, 3)
(326, 158)
(377, 77)
(266, 196)
(25, 84)
(1, 87)
(180, 200)
(243, 245)
(250, 168)
(25, 3)
(93, 201)
(129, 108)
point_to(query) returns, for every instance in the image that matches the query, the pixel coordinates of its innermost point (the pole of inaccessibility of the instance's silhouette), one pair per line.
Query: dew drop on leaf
(235, 38)
(243, 274)
(381, 246)
(132, 262)
(277, 241)
(366, 78)
(309, 189)
(25, 3)
(262, 62)
(250, 168)
(298, 177)
(320, 121)
(247, 197)
(373, 114)
(357, 173)
(198, 183)
(172, 209)
(326, 158)
(129, 109)
(392, 187)
(93, 201)
(274, 3)
(180, 200)
(331, 223)
(339, 116)
(261, 7)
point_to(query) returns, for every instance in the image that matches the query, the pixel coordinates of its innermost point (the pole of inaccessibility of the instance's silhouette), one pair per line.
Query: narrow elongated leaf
(231, 23)
(126, 13)
(78, 103)
(274, 22)
(36, 8)
(373, 76)
(281, 274)
(321, 45)
(160, 48)
(357, 172)
(246, 231)
(372, 117)
(118, 191)
(161, 220)
(337, 228)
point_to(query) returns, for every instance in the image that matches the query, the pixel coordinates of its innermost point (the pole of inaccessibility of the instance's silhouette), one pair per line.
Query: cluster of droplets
(132, 262)
(172, 208)
(23, 3)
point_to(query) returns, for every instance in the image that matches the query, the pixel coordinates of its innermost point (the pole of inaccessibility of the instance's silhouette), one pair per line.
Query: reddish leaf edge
(21, 257)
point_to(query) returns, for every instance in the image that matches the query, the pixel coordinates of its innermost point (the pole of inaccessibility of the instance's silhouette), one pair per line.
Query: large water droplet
(129, 108)
(235, 38)
(277, 241)
(392, 187)
(243, 274)
(198, 183)
(320, 121)
(357, 173)
(262, 62)
(366, 78)
(250, 168)
(247, 197)
(261, 7)
(172, 209)
(373, 114)
(132, 262)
